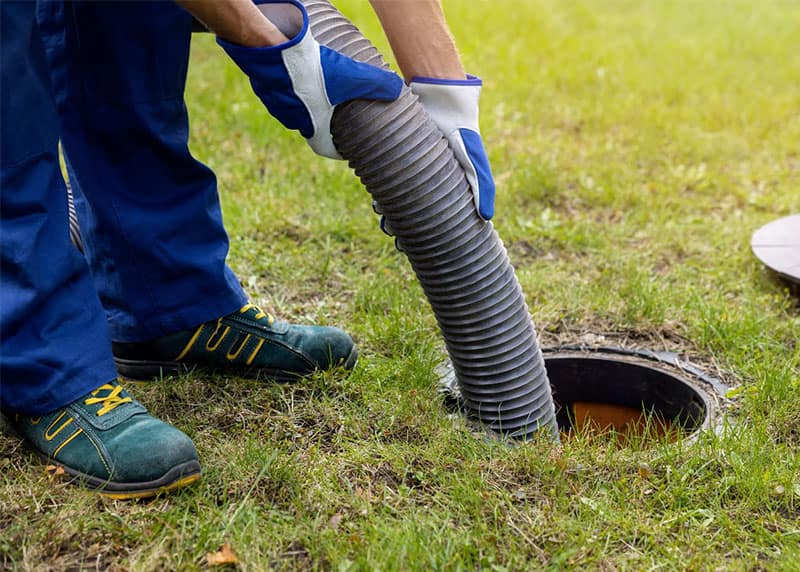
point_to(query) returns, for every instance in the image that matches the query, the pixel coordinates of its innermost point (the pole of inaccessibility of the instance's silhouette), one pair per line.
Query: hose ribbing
(406, 165)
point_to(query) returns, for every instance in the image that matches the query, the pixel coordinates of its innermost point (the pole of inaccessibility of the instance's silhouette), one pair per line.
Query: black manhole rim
(668, 385)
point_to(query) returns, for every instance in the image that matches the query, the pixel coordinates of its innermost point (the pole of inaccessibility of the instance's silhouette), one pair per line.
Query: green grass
(637, 145)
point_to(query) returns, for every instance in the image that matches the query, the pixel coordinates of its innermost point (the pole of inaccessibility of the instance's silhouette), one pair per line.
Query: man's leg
(56, 345)
(57, 371)
(150, 212)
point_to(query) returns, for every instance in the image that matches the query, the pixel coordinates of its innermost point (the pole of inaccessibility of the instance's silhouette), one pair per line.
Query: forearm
(420, 38)
(237, 21)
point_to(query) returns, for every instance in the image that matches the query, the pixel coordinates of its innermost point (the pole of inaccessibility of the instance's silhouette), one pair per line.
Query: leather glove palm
(453, 106)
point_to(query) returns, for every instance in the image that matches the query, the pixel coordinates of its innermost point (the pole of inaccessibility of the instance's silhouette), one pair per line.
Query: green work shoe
(107, 441)
(250, 343)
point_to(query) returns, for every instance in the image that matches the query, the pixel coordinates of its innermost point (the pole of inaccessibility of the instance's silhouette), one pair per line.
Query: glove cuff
(452, 104)
(274, 69)
(472, 80)
(281, 21)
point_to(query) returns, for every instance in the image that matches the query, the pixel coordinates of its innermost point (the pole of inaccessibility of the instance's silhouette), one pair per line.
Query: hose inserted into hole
(407, 166)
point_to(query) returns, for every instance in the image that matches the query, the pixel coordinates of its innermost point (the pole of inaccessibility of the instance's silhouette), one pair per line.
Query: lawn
(637, 144)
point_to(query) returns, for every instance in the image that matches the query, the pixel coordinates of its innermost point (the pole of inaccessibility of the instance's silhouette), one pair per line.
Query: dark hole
(614, 395)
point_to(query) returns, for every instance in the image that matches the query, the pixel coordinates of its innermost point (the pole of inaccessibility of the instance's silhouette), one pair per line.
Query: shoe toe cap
(149, 451)
(329, 347)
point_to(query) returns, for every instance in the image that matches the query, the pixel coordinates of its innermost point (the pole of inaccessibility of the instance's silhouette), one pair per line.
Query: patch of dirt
(277, 488)
(788, 432)
(213, 403)
(598, 332)
(311, 425)
(408, 429)
(298, 557)
(667, 338)
(11, 448)
(417, 475)
(78, 551)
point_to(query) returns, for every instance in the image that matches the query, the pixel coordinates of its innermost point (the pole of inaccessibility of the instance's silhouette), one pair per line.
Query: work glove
(301, 82)
(453, 106)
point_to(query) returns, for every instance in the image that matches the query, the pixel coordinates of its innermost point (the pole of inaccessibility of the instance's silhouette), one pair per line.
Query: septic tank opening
(611, 395)
(632, 393)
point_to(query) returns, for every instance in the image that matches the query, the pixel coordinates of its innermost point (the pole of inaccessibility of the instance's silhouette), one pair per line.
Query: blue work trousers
(107, 79)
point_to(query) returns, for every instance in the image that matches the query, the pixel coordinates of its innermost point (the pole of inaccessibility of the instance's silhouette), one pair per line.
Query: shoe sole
(177, 477)
(142, 371)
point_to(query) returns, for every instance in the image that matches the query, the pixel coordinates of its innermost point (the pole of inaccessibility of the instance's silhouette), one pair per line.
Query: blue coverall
(107, 80)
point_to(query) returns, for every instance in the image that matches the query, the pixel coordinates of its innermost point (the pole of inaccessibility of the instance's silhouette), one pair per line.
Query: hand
(453, 106)
(301, 82)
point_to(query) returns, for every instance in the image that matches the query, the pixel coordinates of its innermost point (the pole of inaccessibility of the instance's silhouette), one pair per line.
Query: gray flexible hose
(408, 168)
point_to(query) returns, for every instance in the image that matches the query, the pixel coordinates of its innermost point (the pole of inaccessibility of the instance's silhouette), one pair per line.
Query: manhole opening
(600, 395)
(636, 395)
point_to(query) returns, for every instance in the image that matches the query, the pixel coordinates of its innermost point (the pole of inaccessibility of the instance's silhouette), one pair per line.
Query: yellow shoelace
(259, 312)
(110, 400)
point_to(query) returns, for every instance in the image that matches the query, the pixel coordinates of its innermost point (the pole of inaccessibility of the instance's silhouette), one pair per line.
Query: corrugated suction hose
(406, 165)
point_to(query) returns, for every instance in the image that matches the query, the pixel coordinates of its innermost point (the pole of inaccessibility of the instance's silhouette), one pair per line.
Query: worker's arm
(237, 21)
(420, 38)
(427, 56)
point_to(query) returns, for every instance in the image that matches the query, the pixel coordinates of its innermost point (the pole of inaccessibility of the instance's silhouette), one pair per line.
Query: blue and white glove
(301, 82)
(453, 106)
